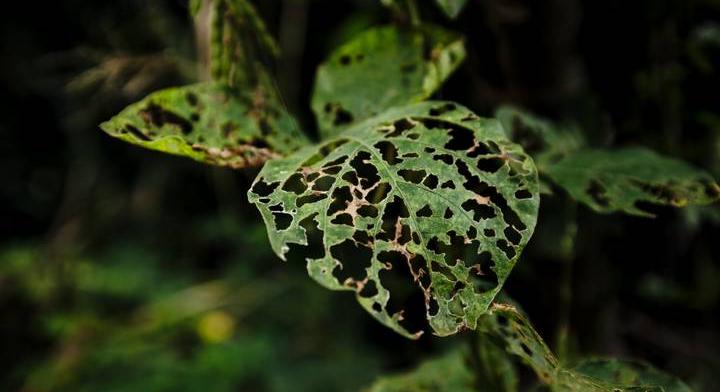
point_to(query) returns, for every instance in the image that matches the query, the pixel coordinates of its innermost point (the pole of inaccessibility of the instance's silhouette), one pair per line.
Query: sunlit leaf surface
(427, 193)
(380, 68)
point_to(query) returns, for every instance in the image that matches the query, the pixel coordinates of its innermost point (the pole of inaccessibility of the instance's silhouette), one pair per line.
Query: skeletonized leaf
(209, 123)
(617, 180)
(451, 8)
(447, 373)
(382, 67)
(429, 193)
(630, 373)
(545, 141)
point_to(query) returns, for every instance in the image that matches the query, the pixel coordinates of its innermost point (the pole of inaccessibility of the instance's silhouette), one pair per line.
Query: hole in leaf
(379, 193)
(263, 189)
(461, 139)
(414, 176)
(431, 181)
(440, 110)
(341, 197)
(353, 258)
(343, 219)
(311, 198)
(424, 212)
(296, 184)
(323, 184)
(158, 116)
(365, 171)
(282, 220)
(389, 152)
(597, 192)
(490, 165)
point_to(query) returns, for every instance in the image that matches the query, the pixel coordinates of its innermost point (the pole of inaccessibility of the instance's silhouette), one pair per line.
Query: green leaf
(451, 8)
(238, 44)
(508, 324)
(545, 141)
(630, 373)
(446, 373)
(211, 124)
(427, 192)
(521, 340)
(382, 67)
(617, 180)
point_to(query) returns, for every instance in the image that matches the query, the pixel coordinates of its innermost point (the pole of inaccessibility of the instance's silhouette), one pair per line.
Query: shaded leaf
(522, 340)
(428, 192)
(630, 373)
(544, 140)
(209, 123)
(618, 180)
(447, 373)
(380, 68)
(239, 41)
(451, 8)
(493, 367)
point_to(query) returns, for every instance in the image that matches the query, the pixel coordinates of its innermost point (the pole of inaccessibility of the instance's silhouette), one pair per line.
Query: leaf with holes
(521, 339)
(380, 68)
(447, 373)
(630, 373)
(211, 124)
(621, 180)
(428, 194)
(451, 8)
(545, 141)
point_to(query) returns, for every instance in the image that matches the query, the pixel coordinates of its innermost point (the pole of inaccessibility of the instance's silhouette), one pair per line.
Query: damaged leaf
(630, 373)
(447, 373)
(239, 42)
(544, 140)
(621, 180)
(451, 8)
(211, 124)
(380, 68)
(520, 338)
(428, 193)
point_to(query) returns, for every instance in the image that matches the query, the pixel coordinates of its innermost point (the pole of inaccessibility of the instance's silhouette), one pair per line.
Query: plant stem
(414, 14)
(567, 246)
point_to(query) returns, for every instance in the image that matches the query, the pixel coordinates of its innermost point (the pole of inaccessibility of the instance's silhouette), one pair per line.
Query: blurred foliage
(122, 270)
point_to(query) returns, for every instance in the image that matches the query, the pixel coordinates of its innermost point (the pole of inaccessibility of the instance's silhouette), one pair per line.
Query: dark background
(123, 269)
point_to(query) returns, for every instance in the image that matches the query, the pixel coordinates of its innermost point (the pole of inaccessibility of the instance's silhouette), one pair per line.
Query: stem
(414, 14)
(567, 246)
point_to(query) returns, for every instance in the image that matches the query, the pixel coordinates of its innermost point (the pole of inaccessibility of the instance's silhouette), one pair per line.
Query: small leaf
(630, 373)
(447, 373)
(617, 180)
(209, 123)
(429, 193)
(380, 68)
(451, 8)
(545, 141)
